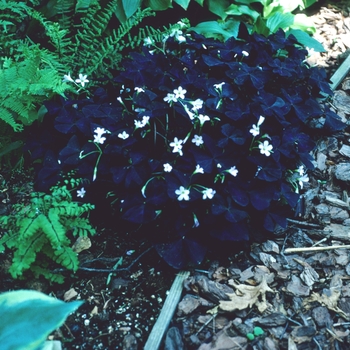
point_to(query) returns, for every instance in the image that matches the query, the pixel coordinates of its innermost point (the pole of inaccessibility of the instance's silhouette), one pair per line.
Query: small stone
(269, 344)
(337, 202)
(189, 303)
(267, 259)
(273, 320)
(321, 316)
(270, 247)
(296, 288)
(303, 334)
(322, 213)
(338, 215)
(338, 232)
(173, 340)
(321, 161)
(345, 151)
(342, 171)
(129, 342)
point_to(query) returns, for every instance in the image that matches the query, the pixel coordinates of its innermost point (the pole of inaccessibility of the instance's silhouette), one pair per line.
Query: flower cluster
(195, 140)
(82, 80)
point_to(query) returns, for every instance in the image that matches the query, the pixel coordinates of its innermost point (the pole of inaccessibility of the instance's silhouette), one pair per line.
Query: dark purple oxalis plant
(196, 140)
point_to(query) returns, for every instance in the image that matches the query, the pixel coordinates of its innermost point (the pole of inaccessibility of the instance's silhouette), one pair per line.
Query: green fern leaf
(67, 258)
(26, 254)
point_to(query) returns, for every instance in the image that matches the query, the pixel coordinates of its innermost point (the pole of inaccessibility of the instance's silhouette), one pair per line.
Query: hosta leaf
(183, 3)
(29, 317)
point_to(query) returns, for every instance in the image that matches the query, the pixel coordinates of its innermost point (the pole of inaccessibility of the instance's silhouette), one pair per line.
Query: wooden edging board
(340, 73)
(166, 314)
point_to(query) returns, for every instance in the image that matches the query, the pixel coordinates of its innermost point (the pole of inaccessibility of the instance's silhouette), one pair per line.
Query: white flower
(208, 193)
(82, 79)
(99, 139)
(148, 41)
(199, 169)
(81, 192)
(177, 33)
(197, 140)
(138, 89)
(145, 119)
(138, 124)
(177, 144)
(265, 148)
(167, 168)
(190, 114)
(170, 98)
(183, 194)
(203, 118)
(218, 165)
(99, 132)
(303, 179)
(67, 77)
(123, 135)
(141, 123)
(233, 171)
(180, 92)
(255, 130)
(219, 86)
(182, 24)
(261, 120)
(197, 104)
(301, 170)
(245, 53)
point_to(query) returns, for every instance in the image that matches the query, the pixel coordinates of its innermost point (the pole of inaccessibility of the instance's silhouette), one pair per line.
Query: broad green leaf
(119, 12)
(218, 7)
(130, 7)
(214, 29)
(308, 3)
(82, 5)
(248, 2)
(183, 3)
(239, 10)
(28, 317)
(304, 23)
(279, 20)
(158, 5)
(10, 147)
(260, 27)
(200, 2)
(288, 5)
(306, 40)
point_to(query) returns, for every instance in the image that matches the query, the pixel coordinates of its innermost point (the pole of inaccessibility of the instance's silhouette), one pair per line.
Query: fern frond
(8, 118)
(81, 227)
(26, 254)
(44, 271)
(67, 258)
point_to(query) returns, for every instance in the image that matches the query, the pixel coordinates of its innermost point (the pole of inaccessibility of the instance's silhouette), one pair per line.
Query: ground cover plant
(196, 141)
(44, 226)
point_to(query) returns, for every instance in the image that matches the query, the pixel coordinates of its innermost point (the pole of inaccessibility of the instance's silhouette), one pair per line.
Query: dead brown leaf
(246, 296)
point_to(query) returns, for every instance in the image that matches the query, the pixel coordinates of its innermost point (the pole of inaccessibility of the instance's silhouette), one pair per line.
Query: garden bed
(122, 303)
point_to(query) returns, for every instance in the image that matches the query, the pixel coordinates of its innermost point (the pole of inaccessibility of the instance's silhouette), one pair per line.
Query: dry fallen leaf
(82, 243)
(246, 296)
(329, 301)
(70, 294)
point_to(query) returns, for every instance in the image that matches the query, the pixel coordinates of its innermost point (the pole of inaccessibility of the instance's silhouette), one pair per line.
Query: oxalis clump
(198, 140)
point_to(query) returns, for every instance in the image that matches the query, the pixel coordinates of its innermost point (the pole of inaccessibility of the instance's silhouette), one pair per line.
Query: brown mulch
(292, 292)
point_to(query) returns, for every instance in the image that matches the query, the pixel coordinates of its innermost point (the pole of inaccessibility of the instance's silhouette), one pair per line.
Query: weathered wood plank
(340, 73)
(160, 327)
